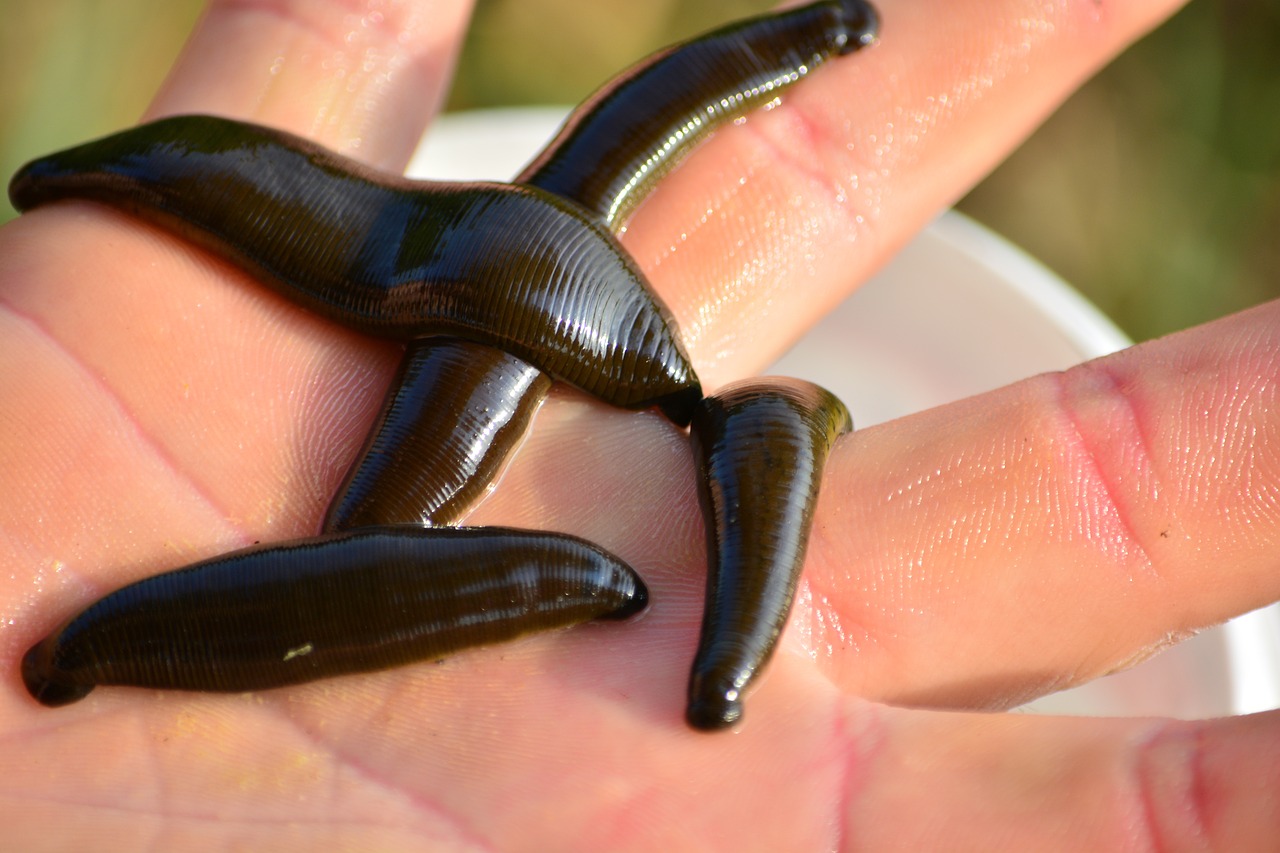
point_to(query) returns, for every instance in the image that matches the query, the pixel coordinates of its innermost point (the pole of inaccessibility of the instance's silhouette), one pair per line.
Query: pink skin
(159, 407)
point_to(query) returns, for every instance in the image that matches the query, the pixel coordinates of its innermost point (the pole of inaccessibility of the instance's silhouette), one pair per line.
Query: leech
(531, 269)
(607, 157)
(759, 446)
(510, 266)
(454, 413)
(631, 132)
(270, 616)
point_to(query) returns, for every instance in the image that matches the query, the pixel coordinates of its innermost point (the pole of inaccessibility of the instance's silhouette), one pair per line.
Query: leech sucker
(507, 265)
(759, 446)
(455, 412)
(616, 145)
(270, 616)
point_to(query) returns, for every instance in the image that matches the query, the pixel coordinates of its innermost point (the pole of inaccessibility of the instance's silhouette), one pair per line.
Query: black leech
(454, 413)
(409, 260)
(759, 446)
(510, 266)
(607, 157)
(629, 133)
(283, 614)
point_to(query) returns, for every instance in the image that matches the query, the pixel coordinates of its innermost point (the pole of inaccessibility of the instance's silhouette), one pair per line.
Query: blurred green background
(1155, 190)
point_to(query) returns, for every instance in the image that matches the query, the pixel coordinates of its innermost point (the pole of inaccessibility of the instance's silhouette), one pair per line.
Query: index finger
(361, 79)
(772, 223)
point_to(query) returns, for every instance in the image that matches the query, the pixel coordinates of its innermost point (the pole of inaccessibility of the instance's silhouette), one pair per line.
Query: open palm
(160, 407)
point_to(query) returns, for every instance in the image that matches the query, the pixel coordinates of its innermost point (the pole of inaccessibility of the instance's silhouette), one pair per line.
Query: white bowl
(958, 312)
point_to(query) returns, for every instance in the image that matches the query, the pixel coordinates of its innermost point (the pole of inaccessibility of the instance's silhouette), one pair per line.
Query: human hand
(162, 408)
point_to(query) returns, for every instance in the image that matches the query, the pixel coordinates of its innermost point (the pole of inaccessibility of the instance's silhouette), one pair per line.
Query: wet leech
(511, 266)
(633, 130)
(607, 157)
(351, 602)
(759, 446)
(453, 414)
(306, 269)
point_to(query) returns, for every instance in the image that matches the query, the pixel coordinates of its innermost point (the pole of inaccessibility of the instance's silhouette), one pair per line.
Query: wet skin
(423, 260)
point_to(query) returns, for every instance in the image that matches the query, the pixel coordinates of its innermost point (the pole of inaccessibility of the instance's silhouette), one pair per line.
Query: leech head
(863, 24)
(40, 675)
(639, 601)
(715, 699)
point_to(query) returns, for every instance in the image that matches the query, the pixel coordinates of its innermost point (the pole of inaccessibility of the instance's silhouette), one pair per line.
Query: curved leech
(270, 616)
(506, 265)
(607, 157)
(46, 672)
(760, 446)
(633, 130)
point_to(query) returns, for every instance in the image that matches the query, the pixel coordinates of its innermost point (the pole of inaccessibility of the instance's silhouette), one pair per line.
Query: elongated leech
(367, 268)
(637, 126)
(275, 615)
(507, 265)
(454, 412)
(760, 446)
(607, 157)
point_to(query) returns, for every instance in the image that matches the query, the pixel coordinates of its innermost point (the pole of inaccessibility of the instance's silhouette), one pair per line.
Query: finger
(362, 79)
(1022, 782)
(1097, 514)
(986, 552)
(250, 490)
(772, 222)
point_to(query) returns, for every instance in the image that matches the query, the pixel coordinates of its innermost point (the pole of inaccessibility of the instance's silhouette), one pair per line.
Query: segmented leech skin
(275, 615)
(357, 246)
(634, 129)
(454, 412)
(607, 157)
(507, 265)
(760, 446)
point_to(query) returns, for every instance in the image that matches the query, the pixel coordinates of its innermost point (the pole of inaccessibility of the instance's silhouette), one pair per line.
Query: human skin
(159, 407)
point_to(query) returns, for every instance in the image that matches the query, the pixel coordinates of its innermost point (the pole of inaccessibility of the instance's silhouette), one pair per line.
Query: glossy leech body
(269, 616)
(633, 130)
(454, 413)
(759, 446)
(294, 190)
(607, 157)
(511, 266)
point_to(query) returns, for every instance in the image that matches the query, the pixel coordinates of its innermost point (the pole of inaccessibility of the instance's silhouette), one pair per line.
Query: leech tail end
(45, 687)
(863, 23)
